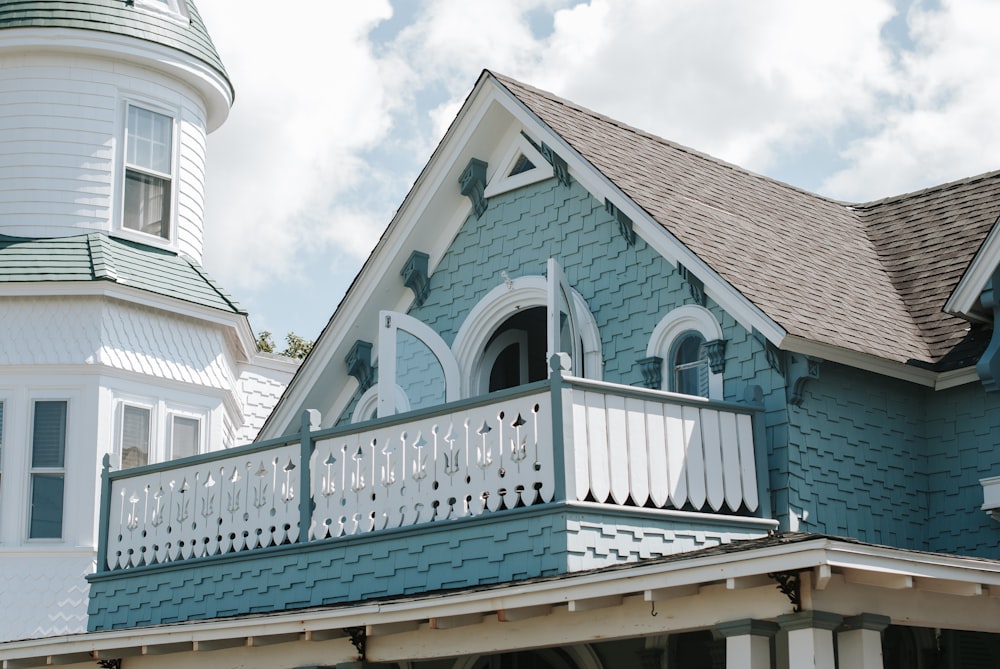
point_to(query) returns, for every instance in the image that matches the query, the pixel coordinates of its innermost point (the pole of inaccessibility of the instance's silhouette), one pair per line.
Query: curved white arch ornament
(686, 318)
(498, 305)
(390, 323)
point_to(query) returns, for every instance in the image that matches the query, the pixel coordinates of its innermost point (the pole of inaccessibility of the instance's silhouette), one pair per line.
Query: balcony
(552, 477)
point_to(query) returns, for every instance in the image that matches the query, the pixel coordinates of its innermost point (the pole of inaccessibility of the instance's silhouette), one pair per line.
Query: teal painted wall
(479, 551)
(856, 458)
(963, 446)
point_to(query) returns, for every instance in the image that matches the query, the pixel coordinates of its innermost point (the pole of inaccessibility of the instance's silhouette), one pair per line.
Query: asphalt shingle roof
(98, 257)
(871, 278)
(116, 17)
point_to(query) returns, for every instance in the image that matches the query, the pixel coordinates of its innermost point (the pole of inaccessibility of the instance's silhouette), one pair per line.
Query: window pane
(48, 444)
(135, 437)
(147, 204)
(149, 140)
(46, 506)
(690, 366)
(185, 437)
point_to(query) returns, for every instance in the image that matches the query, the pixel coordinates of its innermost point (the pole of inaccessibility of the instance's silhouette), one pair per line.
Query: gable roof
(98, 257)
(871, 278)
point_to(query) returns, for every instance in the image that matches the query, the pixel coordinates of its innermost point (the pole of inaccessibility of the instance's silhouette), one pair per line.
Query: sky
(339, 104)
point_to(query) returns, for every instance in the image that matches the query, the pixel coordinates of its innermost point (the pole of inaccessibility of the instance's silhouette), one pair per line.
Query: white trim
(368, 403)
(501, 183)
(686, 318)
(956, 377)
(964, 299)
(497, 306)
(390, 322)
(865, 361)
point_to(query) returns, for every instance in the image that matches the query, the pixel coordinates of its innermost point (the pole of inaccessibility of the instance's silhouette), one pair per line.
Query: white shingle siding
(60, 145)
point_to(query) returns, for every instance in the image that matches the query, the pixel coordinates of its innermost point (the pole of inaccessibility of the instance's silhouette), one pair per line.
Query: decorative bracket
(988, 366)
(801, 370)
(415, 276)
(695, 285)
(359, 364)
(115, 663)
(773, 353)
(716, 352)
(652, 372)
(359, 639)
(473, 185)
(559, 166)
(624, 222)
(790, 585)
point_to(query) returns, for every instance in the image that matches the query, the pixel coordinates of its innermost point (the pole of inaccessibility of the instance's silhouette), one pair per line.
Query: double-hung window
(148, 172)
(48, 469)
(185, 436)
(134, 436)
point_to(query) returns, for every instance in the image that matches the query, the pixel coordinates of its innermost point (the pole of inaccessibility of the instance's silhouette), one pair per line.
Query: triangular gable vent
(521, 165)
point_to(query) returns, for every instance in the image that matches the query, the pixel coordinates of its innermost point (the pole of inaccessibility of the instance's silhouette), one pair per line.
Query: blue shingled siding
(963, 446)
(856, 458)
(479, 551)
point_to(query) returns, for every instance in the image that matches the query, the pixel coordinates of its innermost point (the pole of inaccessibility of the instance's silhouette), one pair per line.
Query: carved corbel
(624, 222)
(695, 285)
(716, 352)
(652, 372)
(801, 370)
(415, 276)
(988, 366)
(359, 364)
(473, 185)
(773, 353)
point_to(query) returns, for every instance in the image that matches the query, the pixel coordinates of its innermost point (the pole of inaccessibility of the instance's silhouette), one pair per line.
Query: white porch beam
(577, 605)
(961, 588)
(879, 579)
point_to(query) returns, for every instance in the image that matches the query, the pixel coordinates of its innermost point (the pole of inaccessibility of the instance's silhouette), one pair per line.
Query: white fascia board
(659, 238)
(216, 91)
(956, 377)
(965, 297)
(858, 360)
(625, 580)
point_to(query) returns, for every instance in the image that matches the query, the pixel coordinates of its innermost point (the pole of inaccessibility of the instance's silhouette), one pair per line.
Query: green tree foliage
(297, 347)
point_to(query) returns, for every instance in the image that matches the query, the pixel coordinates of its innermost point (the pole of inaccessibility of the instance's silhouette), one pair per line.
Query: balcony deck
(550, 472)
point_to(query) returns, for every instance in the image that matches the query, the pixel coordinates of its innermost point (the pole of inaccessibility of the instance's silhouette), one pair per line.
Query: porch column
(810, 638)
(859, 641)
(748, 643)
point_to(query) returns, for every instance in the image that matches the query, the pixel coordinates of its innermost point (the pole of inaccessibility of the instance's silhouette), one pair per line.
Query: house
(597, 400)
(115, 341)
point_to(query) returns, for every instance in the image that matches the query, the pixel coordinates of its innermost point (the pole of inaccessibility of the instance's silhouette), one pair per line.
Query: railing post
(104, 515)
(310, 422)
(755, 397)
(562, 455)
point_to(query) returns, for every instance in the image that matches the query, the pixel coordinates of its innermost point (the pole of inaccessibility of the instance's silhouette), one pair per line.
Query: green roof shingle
(99, 257)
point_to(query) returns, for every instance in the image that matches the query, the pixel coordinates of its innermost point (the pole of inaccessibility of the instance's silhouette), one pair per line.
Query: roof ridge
(867, 206)
(503, 79)
(231, 301)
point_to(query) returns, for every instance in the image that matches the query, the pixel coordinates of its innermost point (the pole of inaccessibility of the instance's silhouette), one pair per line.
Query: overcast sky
(339, 105)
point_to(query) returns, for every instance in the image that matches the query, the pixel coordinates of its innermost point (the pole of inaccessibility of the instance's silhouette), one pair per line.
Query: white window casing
(47, 468)
(148, 175)
(672, 329)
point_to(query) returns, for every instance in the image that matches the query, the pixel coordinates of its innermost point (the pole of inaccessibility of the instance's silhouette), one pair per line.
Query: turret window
(148, 172)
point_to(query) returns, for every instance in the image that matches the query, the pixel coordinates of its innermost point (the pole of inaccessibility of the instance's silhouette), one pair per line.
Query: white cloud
(943, 123)
(310, 97)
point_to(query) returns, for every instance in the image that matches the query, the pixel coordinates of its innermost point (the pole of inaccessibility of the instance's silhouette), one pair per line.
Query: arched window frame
(669, 332)
(496, 307)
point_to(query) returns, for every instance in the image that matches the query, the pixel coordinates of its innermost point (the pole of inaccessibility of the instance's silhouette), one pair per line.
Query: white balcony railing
(563, 439)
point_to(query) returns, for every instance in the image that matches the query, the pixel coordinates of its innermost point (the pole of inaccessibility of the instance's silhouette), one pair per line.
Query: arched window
(503, 341)
(689, 365)
(690, 352)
